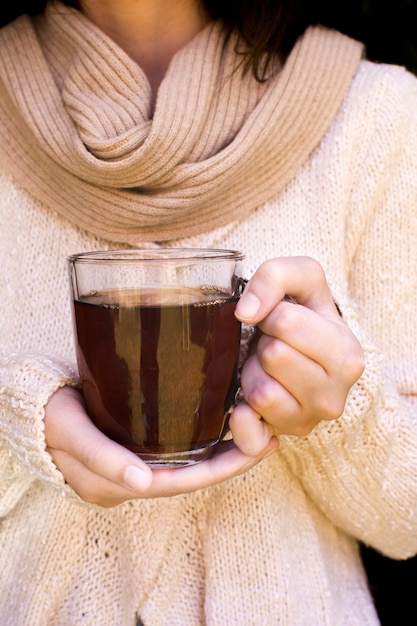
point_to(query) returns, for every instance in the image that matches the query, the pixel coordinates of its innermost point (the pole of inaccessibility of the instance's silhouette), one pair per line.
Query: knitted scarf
(77, 130)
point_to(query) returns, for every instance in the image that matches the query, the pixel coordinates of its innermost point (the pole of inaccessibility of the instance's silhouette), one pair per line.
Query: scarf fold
(76, 128)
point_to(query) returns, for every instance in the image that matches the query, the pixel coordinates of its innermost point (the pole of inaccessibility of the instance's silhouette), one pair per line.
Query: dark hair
(30, 7)
(270, 27)
(267, 27)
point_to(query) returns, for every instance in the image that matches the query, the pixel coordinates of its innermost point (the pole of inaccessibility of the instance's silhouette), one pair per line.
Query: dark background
(387, 27)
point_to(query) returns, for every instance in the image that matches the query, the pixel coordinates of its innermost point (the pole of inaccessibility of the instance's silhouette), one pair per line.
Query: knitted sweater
(277, 545)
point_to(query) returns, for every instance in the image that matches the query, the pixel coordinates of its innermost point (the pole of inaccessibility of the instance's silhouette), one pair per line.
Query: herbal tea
(159, 368)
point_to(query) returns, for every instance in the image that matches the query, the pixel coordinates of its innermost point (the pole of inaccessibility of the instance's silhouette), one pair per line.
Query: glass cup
(158, 346)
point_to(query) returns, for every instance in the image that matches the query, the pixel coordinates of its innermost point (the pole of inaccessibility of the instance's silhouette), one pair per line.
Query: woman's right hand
(102, 472)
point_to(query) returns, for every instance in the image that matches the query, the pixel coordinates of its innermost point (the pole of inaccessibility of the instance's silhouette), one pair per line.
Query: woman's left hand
(304, 361)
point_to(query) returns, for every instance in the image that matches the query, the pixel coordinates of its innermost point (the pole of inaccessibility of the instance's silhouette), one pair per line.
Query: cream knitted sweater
(277, 545)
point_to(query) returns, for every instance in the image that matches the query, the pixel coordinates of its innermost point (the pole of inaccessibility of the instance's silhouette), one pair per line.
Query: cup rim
(155, 255)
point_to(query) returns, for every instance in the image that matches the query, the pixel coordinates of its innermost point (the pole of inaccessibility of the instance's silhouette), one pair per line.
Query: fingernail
(248, 306)
(136, 479)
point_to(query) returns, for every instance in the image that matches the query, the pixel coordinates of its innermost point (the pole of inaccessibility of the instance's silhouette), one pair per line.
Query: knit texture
(276, 546)
(219, 143)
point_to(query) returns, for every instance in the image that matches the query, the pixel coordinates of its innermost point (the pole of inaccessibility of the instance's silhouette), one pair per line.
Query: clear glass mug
(158, 347)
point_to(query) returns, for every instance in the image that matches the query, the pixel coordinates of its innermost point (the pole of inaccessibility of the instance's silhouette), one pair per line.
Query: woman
(274, 138)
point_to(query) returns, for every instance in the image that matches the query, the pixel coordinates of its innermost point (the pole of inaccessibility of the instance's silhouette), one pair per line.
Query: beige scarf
(76, 127)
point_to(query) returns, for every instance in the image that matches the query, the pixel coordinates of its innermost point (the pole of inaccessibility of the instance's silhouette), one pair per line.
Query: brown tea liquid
(159, 372)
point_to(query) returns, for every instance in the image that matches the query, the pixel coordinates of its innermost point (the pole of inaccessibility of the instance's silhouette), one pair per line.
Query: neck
(149, 31)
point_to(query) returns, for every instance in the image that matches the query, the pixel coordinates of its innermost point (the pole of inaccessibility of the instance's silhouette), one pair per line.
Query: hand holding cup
(304, 361)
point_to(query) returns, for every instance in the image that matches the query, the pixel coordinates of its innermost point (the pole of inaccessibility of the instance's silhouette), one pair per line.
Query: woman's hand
(305, 360)
(103, 472)
(299, 373)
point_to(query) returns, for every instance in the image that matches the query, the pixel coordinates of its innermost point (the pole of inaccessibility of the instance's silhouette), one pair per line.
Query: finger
(91, 487)
(217, 469)
(250, 432)
(228, 462)
(281, 409)
(69, 429)
(319, 397)
(328, 343)
(301, 277)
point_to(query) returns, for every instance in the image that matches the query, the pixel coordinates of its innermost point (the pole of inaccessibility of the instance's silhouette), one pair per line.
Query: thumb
(69, 429)
(301, 278)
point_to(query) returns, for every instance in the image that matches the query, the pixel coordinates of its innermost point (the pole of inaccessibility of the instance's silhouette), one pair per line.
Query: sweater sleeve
(26, 383)
(361, 470)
